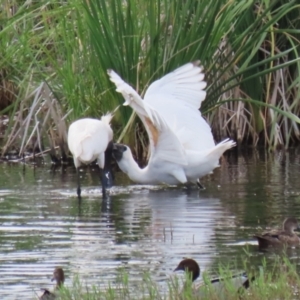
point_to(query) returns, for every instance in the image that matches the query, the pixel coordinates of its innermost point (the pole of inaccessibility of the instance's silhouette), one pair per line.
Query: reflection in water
(146, 230)
(140, 229)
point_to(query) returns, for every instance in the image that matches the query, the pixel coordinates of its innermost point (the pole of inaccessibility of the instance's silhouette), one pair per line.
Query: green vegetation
(249, 49)
(280, 281)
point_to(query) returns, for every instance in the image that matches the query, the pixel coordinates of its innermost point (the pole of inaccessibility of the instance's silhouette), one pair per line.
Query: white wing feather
(178, 97)
(184, 84)
(165, 145)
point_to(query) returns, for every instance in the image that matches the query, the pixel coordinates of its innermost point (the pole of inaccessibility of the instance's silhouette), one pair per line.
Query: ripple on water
(139, 228)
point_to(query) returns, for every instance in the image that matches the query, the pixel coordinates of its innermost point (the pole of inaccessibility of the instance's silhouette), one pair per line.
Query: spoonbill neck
(129, 166)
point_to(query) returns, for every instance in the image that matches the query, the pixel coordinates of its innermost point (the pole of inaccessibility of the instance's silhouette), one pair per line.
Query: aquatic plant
(249, 50)
(279, 281)
(240, 44)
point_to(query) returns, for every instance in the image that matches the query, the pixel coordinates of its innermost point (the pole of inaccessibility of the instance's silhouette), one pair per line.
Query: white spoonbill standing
(181, 143)
(90, 139)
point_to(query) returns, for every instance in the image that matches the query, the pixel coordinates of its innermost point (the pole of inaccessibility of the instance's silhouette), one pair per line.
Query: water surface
(139, 229)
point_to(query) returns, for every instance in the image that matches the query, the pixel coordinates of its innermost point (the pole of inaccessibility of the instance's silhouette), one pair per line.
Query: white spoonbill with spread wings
(90, 139)
(181, 143)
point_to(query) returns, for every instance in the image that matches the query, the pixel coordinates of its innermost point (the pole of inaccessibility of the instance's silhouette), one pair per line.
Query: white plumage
(181, 143)
(88, 140)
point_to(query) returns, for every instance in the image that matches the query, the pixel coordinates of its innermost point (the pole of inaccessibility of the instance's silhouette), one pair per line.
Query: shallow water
(139, 229)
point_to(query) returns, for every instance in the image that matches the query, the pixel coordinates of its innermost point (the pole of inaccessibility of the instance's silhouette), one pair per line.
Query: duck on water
(59, 277)
(285, 237)
(238, 281)
(181, 142)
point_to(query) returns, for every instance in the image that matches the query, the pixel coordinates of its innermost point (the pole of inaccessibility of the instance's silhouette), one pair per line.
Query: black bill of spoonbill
(89, 140)
(182, 147)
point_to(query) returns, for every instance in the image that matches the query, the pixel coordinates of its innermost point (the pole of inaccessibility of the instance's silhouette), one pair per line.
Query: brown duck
(280, 238)
(239, 281)
(59, 277)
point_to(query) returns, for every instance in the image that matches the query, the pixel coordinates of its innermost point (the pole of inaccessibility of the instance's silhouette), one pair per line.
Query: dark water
(139, 229)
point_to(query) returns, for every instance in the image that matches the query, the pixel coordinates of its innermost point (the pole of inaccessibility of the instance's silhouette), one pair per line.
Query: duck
(59, 277)
(280, 238)
(90, 139)
(182, 147)
(239, 281)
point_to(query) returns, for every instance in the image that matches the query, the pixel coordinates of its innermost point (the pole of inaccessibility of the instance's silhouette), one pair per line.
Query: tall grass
(250, 51)
(240, 44)
(280, 281)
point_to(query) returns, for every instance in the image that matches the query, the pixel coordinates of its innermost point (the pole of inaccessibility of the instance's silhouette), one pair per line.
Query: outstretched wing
(164, 144)
(185, 84)
(178, 96)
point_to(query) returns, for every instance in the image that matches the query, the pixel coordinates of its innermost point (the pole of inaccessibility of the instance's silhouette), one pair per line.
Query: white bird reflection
(153, 231)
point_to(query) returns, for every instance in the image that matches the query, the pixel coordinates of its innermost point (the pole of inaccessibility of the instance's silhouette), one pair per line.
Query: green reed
(279, 281)
(249, 50)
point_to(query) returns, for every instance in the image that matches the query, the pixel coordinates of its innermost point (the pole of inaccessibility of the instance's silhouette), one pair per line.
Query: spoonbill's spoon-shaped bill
(182, 146)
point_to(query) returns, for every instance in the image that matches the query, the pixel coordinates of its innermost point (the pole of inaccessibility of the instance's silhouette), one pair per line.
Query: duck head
(290, 225)
(58, 276)
(191, 266)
